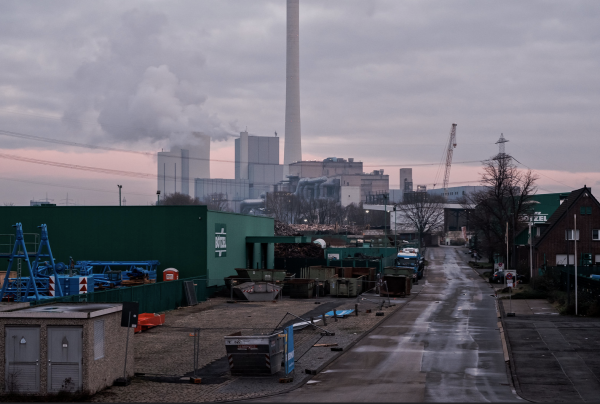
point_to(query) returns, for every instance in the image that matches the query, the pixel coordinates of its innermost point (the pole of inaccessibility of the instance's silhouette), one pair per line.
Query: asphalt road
(442, 346)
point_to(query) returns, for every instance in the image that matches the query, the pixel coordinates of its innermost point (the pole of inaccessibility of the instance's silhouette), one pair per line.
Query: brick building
(555, 244)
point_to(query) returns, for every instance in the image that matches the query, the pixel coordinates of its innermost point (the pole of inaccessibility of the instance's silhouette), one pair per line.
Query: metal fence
(588, 289)
(153, 297)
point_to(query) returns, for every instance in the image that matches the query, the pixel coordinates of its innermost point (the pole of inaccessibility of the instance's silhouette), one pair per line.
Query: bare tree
(506, 199)
(284, 206)
(355, 214)
(179, 199)
(217, 201)
(422, 211)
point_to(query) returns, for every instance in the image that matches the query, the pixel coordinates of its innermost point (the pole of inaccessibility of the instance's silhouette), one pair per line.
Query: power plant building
(293, 136)
(178, 167)
(257, 160)
(336, 178)
(455, 193)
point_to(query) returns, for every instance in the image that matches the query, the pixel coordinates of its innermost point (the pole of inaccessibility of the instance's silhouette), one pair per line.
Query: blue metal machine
(111, 273)
(108, 274)
(46, 279)
(35, 286)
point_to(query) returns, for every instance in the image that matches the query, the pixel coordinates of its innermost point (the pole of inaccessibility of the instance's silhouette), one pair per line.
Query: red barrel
(170, 274)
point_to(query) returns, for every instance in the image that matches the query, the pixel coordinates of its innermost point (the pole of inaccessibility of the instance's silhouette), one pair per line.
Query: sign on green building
(220, 240)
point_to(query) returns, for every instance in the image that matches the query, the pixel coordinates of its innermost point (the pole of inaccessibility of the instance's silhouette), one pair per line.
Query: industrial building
(293, 134)
(234, 191)
(453, 194)
(181, 237)
(178, 167)
(336, 178)
(257, 160)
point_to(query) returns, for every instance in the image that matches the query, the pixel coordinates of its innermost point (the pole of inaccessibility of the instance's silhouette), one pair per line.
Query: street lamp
(395, 229)
(158, 197)
(120, 186)
(367, 212)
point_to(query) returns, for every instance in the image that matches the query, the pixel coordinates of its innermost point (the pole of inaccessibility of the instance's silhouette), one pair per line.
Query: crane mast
(450, 150)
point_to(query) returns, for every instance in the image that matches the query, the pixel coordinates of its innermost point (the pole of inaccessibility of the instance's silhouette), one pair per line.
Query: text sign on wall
(220, 240)
(289, 349)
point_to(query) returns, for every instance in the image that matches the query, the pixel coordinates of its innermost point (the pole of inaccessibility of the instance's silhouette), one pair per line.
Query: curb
(330, 360)
(508, 356)
(511, 363)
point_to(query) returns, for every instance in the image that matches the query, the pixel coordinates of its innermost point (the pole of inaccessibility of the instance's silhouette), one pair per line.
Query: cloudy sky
(381, 81)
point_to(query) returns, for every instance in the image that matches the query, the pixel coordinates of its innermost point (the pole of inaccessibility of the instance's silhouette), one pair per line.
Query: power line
(537, 171)
(153, 154)
(69, 186)
(424, 164)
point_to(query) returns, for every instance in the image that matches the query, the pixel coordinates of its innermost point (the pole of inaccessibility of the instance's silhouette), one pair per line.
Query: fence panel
(153, 297)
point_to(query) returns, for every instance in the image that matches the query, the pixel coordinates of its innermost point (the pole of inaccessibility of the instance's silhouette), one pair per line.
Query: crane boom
(451, 146)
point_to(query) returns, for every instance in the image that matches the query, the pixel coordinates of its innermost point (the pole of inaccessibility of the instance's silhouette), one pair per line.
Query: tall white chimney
(293, 138)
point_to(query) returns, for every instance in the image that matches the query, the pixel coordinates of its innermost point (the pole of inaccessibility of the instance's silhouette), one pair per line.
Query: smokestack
(293, 139)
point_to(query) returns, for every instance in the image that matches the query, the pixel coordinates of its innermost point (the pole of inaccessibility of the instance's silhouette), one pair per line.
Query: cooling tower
(293, 139)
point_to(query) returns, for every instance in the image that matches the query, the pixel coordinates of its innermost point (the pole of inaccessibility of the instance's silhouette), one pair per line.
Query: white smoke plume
(136, 88)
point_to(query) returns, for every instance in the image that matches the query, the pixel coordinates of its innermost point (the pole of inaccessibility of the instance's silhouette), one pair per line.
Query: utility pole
(575, 257)
(120, 186)
(395, 229)
(530, 253)
(506, 246)
(567, 264)
(385, 198)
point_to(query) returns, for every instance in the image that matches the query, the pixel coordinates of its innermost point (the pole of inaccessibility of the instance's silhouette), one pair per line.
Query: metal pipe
(300, 318)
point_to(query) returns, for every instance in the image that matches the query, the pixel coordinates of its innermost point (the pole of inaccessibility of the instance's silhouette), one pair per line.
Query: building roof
(65, 310)
(563, 208)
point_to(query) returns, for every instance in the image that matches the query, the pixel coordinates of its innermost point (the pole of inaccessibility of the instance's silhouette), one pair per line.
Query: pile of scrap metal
(282, 229)
(304, 250)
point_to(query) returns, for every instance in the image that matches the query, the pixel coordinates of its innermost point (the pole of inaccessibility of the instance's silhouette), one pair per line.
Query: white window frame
(561, 259)
(597, 234)
(569, 235)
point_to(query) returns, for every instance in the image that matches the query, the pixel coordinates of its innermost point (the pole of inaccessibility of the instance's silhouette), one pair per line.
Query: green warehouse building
(192, 239)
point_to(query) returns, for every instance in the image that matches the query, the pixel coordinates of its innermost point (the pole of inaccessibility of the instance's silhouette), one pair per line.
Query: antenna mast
(450, 151)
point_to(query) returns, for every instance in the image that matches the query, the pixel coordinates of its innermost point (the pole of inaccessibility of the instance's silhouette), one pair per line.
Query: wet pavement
(442, 346)
(555, 358)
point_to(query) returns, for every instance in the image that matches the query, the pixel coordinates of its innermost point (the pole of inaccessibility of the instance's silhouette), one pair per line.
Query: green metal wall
(174, 235)
(153, 298)
(181, 237)
(238, 228)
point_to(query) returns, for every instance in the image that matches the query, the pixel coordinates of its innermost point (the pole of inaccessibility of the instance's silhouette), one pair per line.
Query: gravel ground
(166, 352)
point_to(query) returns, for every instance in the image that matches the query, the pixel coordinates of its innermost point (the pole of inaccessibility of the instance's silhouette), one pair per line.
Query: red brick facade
(553, 240)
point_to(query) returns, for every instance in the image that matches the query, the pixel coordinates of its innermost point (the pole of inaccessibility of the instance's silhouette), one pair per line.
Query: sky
(381, 81)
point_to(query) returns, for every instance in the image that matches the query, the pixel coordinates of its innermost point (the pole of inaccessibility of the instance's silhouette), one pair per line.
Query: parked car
(498, 277)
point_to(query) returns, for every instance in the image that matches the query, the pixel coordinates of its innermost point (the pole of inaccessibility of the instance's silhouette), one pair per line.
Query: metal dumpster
(345, 287)
(286, 285)
(301, 288)
(257, 291)
(397, 285)
(261, 275)
(254, 354)
(321, 272)
(401, 271)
